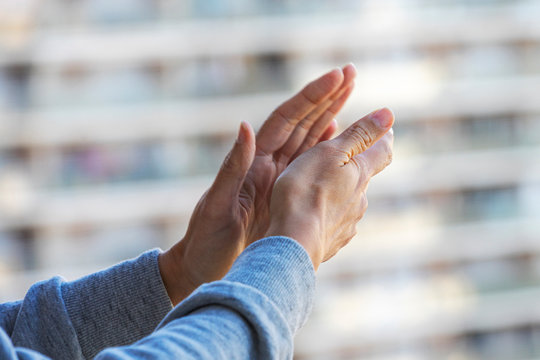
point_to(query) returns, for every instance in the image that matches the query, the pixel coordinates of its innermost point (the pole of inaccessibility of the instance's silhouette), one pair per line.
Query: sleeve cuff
(274, 273)
(280, 268)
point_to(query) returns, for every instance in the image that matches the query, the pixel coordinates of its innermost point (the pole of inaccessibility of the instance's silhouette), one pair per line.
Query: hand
(235, 210)
(322, 195)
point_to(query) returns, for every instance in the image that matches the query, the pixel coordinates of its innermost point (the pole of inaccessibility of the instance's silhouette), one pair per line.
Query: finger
(332, 105)
(233, 171)
(329, 132)
(377, 157)
(310, 129)
(276, 130)
(361, 135)
(337, 100)
(315, 134)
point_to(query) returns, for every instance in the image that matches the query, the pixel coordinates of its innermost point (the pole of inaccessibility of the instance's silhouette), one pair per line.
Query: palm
(255, 194)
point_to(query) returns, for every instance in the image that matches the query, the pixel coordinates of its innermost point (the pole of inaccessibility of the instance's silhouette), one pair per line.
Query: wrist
(305, 231)
(173, 275)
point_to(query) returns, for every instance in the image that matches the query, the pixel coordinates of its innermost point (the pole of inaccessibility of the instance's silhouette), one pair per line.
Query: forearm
(8, 315)
(78, 319)
(117, 306)
(253, 312)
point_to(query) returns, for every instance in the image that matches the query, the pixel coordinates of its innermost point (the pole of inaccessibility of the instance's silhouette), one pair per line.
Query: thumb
(233, 171)
(361, 135)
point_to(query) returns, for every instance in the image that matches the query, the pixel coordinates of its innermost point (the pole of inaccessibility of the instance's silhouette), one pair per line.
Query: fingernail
(337, 68)
(351, 64)
(241, 139)
(383, 117)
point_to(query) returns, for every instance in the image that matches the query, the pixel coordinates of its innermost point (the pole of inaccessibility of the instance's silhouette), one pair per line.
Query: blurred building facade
(115, 116)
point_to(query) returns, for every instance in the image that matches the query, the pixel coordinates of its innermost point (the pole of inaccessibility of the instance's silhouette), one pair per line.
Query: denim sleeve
(76, 320)
(253, 313)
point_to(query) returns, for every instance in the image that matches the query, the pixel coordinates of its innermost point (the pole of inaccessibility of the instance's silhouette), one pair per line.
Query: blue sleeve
(253, 313)
(76, 320)
(8, 315)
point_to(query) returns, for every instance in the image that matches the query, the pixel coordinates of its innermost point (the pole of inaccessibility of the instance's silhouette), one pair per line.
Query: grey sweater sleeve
(76, 320)
(8, 315)
(253, 313)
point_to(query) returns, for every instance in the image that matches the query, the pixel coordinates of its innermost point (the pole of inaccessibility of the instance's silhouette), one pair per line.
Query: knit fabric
(252, 313)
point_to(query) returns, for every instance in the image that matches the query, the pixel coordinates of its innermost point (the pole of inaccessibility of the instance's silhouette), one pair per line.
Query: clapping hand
(321, 196)
(234, 212)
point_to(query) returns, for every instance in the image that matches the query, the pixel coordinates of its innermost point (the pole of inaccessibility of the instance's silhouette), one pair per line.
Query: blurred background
(115, 116)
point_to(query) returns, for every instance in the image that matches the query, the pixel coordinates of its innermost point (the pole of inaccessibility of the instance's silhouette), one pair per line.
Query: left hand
(234, 212)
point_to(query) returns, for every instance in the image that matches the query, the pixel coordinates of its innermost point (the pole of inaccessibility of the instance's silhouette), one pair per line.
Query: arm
(223, 221)
(77, 319)
(8, 315)
(252, 313)
(256, 309)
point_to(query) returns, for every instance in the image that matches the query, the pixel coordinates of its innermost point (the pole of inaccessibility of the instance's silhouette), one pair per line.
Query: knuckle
(363, 166)
(312, 87)
(388, 147)
(361, 205)
(290, 122)
(351, 233)
(365, 202)
(325, 146)
(311, 139)
(305, 124)
(362, 138)
(389, 155)
(230, 164)
(389, 158)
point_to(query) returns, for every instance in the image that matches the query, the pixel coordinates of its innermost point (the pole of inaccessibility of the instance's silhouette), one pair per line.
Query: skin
(321, 196)
(235, 211)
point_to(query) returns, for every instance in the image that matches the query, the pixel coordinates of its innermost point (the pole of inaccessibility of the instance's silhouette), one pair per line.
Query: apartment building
(115, 116)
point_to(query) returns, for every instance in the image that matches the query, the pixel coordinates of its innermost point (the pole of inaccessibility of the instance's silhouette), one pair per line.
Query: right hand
(321, 196)
(235, 210)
